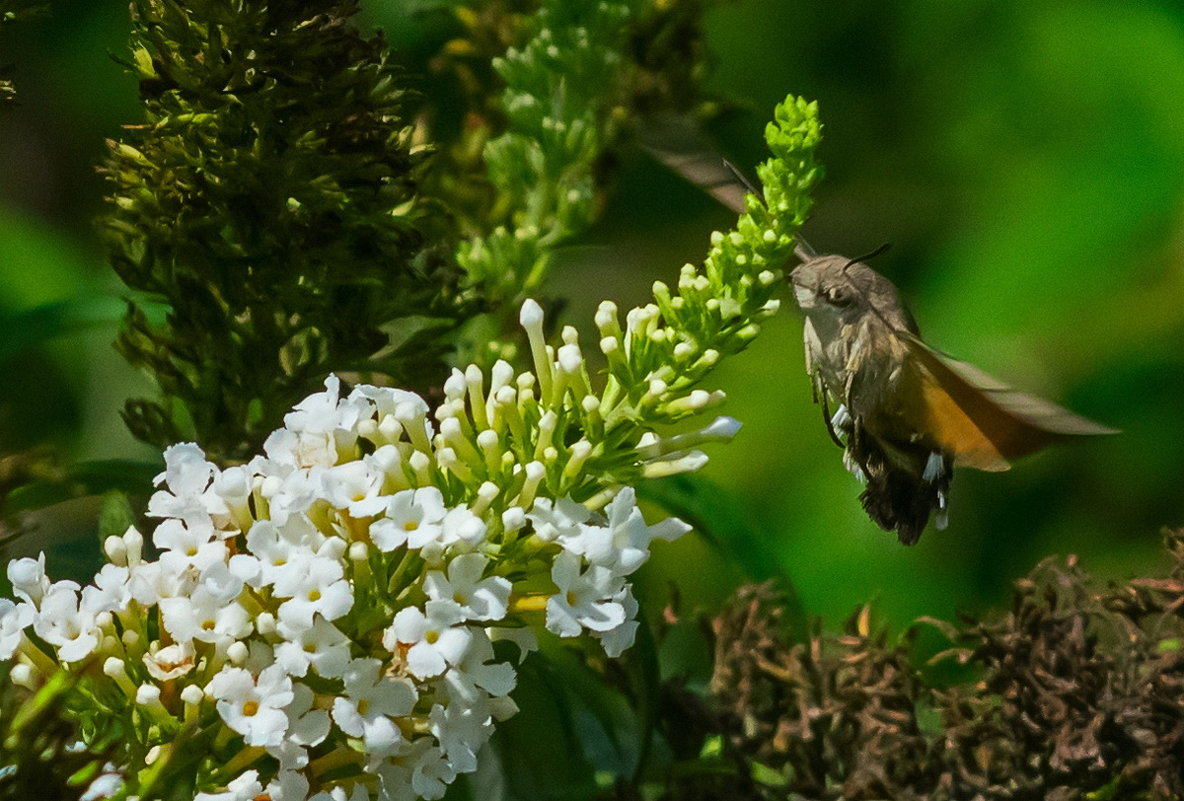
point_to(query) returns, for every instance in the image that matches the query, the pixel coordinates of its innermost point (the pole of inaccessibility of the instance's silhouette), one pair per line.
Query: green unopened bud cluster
(665, 348)
(557, 105)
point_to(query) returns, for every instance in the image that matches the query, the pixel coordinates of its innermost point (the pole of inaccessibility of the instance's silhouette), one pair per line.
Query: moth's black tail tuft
(900, 502)
(902, 499)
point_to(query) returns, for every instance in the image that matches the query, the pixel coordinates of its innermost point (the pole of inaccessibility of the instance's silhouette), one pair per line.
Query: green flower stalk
(337, 619)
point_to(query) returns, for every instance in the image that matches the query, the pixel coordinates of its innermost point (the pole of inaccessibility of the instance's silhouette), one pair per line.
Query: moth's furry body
(854, 354)
(908, 413)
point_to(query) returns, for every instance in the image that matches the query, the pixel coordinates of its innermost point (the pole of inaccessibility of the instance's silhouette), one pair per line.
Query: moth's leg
(938, 469)
(935, 467)
(817, 385)
(826, 415)
(841, 419)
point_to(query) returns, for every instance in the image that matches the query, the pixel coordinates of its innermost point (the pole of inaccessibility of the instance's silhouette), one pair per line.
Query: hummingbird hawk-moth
(907, 415)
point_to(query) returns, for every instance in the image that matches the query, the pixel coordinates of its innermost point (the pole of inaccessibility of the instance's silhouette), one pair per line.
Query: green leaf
(82, 479)
(38, 263)
(643, 670)
(28, 328)
(577, 730)
(720, 517)
(540, 748)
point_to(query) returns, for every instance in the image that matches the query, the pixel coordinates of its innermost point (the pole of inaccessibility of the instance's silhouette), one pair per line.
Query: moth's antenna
(862, 294)
(743, 179)
(868, 257)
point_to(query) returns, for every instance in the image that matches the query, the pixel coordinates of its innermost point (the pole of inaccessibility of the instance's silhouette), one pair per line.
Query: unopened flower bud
(116, 550)
(133, 541)
(237, 653)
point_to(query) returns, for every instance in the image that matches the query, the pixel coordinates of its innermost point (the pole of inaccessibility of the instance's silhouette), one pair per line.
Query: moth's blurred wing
(680, 145)
(982, 421)
(677, 142)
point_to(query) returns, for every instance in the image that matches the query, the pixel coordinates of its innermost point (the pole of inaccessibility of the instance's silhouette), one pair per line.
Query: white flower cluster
(335, 602)
(590, 571)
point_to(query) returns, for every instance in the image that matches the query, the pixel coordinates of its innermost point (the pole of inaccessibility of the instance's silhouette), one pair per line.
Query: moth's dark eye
(837, 296)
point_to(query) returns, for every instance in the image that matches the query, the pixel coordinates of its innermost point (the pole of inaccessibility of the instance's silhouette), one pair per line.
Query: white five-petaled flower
(428, 642)
(355, 486)
(185, 544)
(370, 703)
(413, 518)
(110, 592)
(152, 581)
(312, 585)
(221, 579)
(275, 545)
(288, 489)
(585, 597)
(559, 520)
(325, 412)
(321, 646)
(628, 544)
(61, 623)
(622, 546)
(188, 475)
(253, 707)
(419, 771)
(205, 617)
(479, 598)
(461, 729)
(317, 429)
(477, 675)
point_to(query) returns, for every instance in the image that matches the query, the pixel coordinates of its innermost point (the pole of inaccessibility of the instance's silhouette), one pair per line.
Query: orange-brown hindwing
(982, 421)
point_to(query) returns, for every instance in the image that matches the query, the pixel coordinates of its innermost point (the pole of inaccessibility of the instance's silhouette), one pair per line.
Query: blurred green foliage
(1025, 160)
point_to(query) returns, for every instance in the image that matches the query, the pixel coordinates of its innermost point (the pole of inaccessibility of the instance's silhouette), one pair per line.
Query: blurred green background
(1026, 161)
